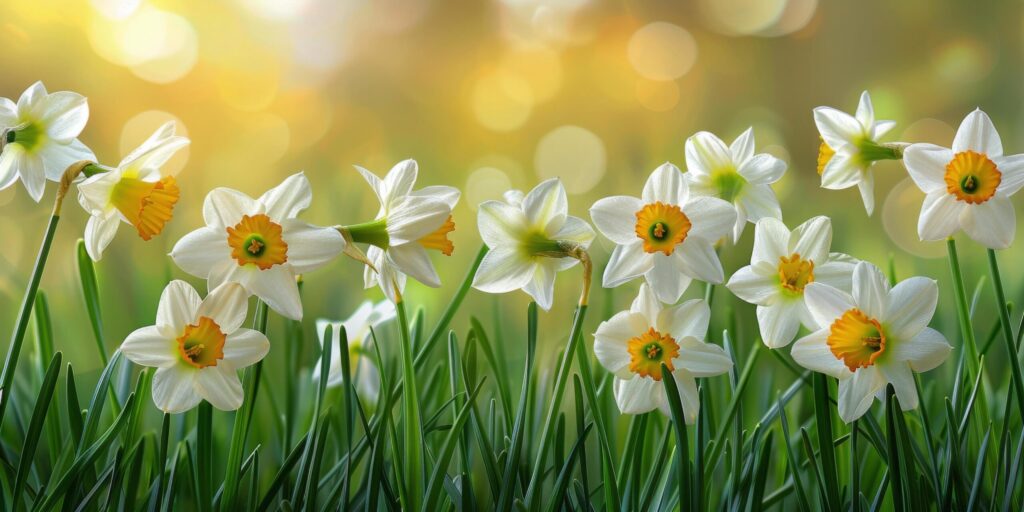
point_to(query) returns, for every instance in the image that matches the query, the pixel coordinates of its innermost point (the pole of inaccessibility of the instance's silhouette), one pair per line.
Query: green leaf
(35, 428)
(675, 405)
(826, 448)
(91, 295)
(436, 482)
(562, 482)
(508, 484)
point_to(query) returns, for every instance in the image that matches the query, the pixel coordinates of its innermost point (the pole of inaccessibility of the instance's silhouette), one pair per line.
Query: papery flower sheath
(139, 191)
(850, 147)
(735, 174)
(874, 337)
(633, 344)
(969, 186)
(782, 264)
(198, 346)
(259, 243)
(666, 236)
(40, 137)
(530, 240)
(365, 375)
(408, 223)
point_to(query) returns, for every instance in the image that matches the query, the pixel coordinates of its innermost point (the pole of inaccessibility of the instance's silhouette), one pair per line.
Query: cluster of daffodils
(858, 328)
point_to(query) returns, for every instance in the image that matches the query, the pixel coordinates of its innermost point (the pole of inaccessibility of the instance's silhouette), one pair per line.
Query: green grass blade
(91, 295)
(35, 429)
(451, 309)
(794, 464)
(562, 481)
(979, 471)
(436, 482)
(826, 447)
(412, 437)
(508, 485)
(675, 405)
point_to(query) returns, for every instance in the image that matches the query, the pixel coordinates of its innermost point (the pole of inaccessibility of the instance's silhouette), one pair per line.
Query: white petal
(245, 347)
(9, 163)
(500, 223)
(881, 128)
(902, 380)
(286, 200)
(63, 114)
(412, 218)
(502, 270)
(94, 191)
(779, 322)
(1012, 169)
(870, 290)
(58, 157)
(689, 319)
(576, 230)
(542, 285)
(706, 154)
(156, 150)
(977, 133)
(812, 352)
(400, 180)
(754, 287)
(611, 341)
(696, 258)
(310, 247)
(413, 260)
(225, 207)
(667, 185)
(546, 206)
(448, 195)
(911, 306)
(760, 202)
(857, 392)
(277, 287)
(178, 305)
(842, 170)
(33, 174)
(220, 386)
(865, 111)
(742, 149)
(227, 305)
(866, 187)
(837, 128)
(627, 262)
(615, 218)
(926, 165)
(992, 223)
(173, 390)
(838, 274)
(812, 239)
(202, 250)
(711, 218)
(99, 231)
(923, 352)
(771, 241)
(376, 184)
(940, 216)
(826, 303)
(646, 304)
(702, 359)
(665, 279)
(762, 169)
(638, 395)
(32, 97)
(688, 396)
(149, 346)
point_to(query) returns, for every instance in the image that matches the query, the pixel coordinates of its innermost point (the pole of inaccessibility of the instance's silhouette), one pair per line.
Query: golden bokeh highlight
(502, 100)
(662, 51)
(574, 154)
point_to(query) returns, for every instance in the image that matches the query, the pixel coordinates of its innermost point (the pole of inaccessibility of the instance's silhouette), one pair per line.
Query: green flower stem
(449, 312)
(963, 308)
(1004, 320)
(204, 455)
(373, 233)
(413, 435)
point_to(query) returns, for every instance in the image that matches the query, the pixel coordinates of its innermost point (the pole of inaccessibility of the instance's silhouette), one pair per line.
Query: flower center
(825, 154)
(661, 226)
(972, 177)
(856, 339)
(148, 205)
(795, 273)
(648, 350)
(257, 240)
(438, 240)
(728, 182)
(29, 136)
(202, 343)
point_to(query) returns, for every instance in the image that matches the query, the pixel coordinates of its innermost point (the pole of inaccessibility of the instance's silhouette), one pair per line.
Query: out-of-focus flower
(633, 345)
(198, 346)
(849, 147)
(667, 236)
(409, 222)
(735, 174)
(969, 186)
(39, 137)
(530, 240)
(259, 243)
(365, 375)
(876, 336)
(781, 266)
(138, 191)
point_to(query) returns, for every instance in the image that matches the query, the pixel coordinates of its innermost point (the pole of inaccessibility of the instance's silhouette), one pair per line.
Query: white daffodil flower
(408, 223)
(530, 241)
(259, 243)
(365, 375)
(138, 192)
(781, 266)
(39, 137)
(198, 346)
(876, 336)
(969, 186)
(667, 236)
(735, 174)
(850, 147)
(633, 344)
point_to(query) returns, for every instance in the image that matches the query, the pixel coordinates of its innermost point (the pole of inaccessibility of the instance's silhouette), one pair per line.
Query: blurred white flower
(877, 336)
(198, 346)
(633, 344)
(969, 186)
(735, 174)
(40, 137)
(850, 147)
(138, 191)
(408, 223)
(259, 243)
(782, 264)
(667, 236)
(530, 241)
(365, 375)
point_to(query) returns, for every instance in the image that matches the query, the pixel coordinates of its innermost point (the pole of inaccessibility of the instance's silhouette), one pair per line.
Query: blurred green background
(491, 95)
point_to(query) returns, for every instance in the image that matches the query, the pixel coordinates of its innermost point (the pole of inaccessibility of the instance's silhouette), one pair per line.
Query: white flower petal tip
(874, 337)
(197, 346)
(259, 243)
(357, 328)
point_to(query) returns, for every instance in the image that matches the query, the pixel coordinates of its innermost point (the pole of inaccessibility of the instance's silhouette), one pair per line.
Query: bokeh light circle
(574, 154)
(502, 100)
(742, 17)
(484, 184)
(900, 211)
(158, 46)
(662, 51)
(657, 96)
